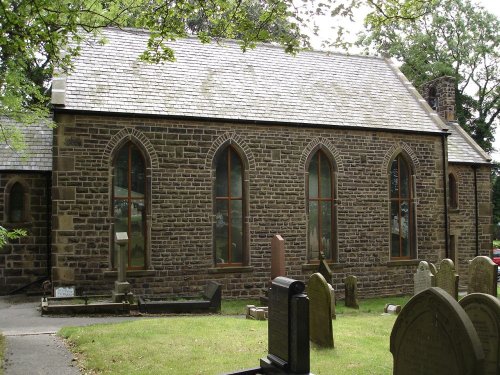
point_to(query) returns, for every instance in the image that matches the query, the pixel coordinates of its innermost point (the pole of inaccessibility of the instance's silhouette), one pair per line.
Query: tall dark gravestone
(288, 331)
(484, 312)
(482, 276)
(433, 335)
(351, 292)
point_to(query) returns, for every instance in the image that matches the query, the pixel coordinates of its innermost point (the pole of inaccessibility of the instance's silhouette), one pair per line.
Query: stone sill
(130, 273)
(238, 269)
(406, 262)
(314, 266)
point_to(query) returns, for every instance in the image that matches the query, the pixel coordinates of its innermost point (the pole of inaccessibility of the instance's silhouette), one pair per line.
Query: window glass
(129, 203)
(16, 203)
(325, 178)
(229, 225)
(452, 182)
(320, 204)
(221, 175)
(313, 177)
(402, 218)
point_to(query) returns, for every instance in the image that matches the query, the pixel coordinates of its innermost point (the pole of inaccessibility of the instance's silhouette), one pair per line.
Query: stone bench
(210, 302)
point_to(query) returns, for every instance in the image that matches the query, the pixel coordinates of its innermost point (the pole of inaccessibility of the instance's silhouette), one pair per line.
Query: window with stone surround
(452, 185)
(321, 208)
(229, 209)
(129, 203)
(402, 219)
(17, 207)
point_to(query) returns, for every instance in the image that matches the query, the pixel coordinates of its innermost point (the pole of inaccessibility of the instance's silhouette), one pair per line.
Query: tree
(445, 37)
(38, 35)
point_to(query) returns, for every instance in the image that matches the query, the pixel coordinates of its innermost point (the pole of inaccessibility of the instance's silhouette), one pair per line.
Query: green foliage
(2, 352)
(6, 235)
(496, 201)
(444, 37)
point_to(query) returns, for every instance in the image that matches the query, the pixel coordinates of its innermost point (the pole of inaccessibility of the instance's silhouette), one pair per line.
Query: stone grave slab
(482, 276)
(447, 278)
(424, 278)
(320, 314)
(332, 293)
(277, 256)
(325, 270)
(484, 312)
(434, 335)
(351, 292)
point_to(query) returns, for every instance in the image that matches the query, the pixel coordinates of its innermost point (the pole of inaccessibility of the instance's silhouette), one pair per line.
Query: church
(203, 160)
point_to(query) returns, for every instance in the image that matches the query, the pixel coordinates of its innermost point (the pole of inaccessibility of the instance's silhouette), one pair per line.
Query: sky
(493, 6)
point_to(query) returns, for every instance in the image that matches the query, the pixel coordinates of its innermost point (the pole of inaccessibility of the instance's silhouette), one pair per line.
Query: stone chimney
(440, 95)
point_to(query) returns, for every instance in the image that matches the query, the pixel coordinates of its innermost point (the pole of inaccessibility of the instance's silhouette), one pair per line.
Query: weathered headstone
(332, 294)
(423, 279)
(434, 335)
(433, 269)
(277, 256)
(484, 312)
(482, 276)
(447, 278)
(351, 292)
(320, 314)
(325, 270)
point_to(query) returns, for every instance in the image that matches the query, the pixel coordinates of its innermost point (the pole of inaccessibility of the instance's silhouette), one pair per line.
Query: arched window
(129, 187)
(17, 203)
(229, 207)
(402, 210)
(320, 203)
(452, 183)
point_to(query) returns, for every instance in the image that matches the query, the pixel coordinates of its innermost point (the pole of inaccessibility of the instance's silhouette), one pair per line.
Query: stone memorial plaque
(320, 314)
(277, 256)
(482, 276)
(351, 292)
(484, 312)
(423, 278)
(325, 270)
(447, 278)
(64, 291)
(433, 335)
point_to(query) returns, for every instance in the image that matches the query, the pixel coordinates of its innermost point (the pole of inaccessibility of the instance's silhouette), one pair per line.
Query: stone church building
(203, 160)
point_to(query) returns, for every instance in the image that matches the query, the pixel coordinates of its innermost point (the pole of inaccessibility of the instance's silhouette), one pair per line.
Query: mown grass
(2, 352)
(194, 345)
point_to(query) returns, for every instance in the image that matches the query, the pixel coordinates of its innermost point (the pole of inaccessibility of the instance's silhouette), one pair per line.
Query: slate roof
(215, 81)
(463, 149)
(263, 84)
(38, 153)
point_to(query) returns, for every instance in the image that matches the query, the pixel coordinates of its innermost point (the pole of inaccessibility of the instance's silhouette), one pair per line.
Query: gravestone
(424, 278)
(433, 335)
(320, 314)
(122, 293)
(332, 294)
(482, 276)
(433, 269)
(484, 312)
(288, 331)
(351, 292)
(447, 278)
(325, 270)
(277, 256)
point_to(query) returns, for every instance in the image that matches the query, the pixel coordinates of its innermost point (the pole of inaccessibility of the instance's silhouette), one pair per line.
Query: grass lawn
(2, 351)
(217, 344)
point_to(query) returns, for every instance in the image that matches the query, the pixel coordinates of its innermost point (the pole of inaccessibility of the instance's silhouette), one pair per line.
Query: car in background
(495, 256)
